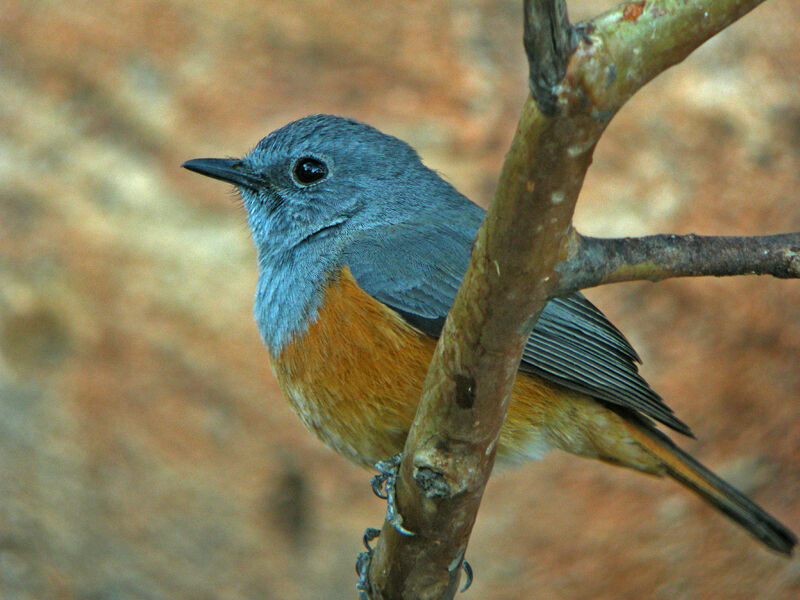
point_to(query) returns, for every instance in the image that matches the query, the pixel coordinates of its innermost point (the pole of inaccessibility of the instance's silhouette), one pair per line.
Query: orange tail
(720, 494)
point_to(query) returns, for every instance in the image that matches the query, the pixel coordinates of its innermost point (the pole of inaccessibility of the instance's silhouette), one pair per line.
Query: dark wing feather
(575, 345)
(419, 282)
(572, 344)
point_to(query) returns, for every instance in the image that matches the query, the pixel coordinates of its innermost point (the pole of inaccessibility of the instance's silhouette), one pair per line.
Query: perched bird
(361, 249)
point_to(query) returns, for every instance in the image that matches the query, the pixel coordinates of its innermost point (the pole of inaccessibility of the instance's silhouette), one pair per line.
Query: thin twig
(597, 261)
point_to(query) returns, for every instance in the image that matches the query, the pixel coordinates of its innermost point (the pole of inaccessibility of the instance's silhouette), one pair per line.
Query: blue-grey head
(314, 190)
(327, 177)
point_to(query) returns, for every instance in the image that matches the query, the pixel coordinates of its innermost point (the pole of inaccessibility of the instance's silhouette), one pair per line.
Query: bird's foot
(365, 558)
(383, 486)
(363, 562)
(468, 572)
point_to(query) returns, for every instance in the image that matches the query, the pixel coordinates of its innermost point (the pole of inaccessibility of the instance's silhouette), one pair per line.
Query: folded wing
(416, 269)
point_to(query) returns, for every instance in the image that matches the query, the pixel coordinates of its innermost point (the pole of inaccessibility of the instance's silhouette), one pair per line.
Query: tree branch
(629, 45)
(549, 42)
(526, 236)
(597, 261)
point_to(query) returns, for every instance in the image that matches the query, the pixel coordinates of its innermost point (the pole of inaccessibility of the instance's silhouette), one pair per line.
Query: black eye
(308, 170)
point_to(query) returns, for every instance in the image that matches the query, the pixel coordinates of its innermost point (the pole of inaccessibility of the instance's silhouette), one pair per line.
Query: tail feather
(720, 494)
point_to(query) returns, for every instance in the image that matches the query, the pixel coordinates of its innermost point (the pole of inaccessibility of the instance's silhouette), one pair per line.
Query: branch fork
(579, 78)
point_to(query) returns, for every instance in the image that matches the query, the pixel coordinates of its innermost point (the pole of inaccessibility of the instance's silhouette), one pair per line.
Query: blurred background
(145, 452)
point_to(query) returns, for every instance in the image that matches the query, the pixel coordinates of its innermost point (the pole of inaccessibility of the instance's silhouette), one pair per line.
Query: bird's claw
(468, 572)
(377, 481)
(362, 563)
(364, 558)
(383, 486)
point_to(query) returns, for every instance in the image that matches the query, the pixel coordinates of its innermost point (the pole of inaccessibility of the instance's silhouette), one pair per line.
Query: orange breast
(355, 378)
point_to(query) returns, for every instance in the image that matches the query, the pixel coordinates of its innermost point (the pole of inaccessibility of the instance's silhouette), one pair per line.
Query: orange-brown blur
(145, 449)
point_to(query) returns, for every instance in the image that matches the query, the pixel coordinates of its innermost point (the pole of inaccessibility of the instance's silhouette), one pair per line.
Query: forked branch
(527, 252)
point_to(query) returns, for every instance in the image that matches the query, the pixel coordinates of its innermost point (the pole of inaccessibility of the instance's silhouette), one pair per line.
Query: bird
(361, 249)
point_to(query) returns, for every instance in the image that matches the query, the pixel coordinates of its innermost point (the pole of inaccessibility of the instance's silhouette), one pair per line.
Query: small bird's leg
(383, 486)
(386, 479)
(364, 558)
(363, 561)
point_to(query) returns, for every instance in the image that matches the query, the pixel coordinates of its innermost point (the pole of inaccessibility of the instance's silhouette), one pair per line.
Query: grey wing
(417, 279)
(572, 344)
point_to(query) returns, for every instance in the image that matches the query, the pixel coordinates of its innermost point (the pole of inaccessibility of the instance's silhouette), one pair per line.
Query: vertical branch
(451, 447)
(548, 44)
(577, 86)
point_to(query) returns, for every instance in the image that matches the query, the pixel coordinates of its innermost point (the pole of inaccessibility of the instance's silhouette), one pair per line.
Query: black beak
(232, 170)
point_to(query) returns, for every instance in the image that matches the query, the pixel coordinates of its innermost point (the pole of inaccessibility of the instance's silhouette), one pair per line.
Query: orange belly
(355, 377)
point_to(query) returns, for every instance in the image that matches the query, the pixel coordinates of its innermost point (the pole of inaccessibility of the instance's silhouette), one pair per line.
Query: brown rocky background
(145, 452)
